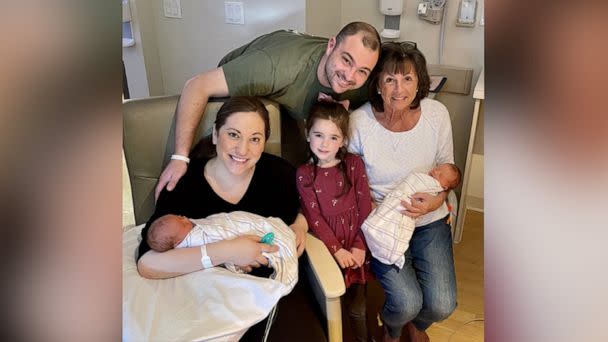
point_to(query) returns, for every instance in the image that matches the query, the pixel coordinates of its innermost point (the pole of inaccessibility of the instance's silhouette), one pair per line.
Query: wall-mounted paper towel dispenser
(391, 7)
(392, 10)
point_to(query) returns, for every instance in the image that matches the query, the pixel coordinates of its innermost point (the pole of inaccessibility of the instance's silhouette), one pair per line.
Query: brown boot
(416, 335)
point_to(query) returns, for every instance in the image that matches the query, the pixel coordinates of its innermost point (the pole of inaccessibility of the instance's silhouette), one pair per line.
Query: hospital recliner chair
(148, 142)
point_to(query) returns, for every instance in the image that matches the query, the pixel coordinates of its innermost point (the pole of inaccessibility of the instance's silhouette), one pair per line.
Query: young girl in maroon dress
(335, 198)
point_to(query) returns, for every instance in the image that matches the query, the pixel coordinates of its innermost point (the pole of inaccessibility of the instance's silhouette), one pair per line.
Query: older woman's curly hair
(399, 58)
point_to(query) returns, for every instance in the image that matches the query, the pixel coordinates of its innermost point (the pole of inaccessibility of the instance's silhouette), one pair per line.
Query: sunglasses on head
(404, 46)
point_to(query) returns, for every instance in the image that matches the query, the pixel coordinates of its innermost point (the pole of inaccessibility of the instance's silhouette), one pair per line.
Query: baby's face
(444, 174)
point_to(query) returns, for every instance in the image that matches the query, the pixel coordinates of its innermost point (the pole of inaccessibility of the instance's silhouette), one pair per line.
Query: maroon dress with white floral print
(336, 219)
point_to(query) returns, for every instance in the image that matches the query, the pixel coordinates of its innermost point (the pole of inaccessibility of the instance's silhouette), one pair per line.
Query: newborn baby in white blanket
(387, 231)
(214, 304)
(173, 231)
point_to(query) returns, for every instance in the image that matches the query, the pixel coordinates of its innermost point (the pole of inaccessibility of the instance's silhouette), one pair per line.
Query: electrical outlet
(233, 12)
(172, 8)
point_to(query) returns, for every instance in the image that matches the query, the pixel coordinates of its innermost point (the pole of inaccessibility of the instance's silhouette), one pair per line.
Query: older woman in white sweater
(398, 132)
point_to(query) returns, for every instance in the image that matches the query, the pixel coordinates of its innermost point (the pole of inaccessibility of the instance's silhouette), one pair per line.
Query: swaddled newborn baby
(387, 231)
(173, 231)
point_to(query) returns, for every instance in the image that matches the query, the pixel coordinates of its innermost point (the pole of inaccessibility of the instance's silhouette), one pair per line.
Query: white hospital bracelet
(205, 259)
(178, 157)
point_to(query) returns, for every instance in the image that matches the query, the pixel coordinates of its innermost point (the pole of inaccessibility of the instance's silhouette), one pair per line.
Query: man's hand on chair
(170, 176)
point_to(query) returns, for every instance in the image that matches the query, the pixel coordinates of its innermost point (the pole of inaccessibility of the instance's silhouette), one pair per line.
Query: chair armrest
(327, 283)
(324, 268)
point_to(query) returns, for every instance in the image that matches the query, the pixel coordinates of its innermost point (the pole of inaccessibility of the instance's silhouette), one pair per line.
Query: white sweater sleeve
(445, 151)
(354, 141)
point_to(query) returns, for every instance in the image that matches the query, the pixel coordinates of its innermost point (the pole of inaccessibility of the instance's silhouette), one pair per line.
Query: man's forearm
(192, 103)
(169, 264)
(190, 111)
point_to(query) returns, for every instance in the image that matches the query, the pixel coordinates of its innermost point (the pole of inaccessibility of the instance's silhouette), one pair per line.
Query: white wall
(177, 49)
(476, 180)
(142, 64)
(169, 51)
(197, 42)
(133, 58)
(463, 45)
(323, 17)
(147, 27)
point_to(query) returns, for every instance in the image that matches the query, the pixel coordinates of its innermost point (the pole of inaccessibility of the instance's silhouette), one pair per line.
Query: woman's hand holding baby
(423, 203)
(244, 251)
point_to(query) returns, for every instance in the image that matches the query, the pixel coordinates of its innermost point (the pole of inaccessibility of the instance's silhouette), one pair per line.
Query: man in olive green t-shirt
(287, 67)
(283, 64)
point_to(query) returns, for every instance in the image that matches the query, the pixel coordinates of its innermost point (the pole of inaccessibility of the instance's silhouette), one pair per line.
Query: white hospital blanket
(211, 305)
(387, 231)
(225, 226)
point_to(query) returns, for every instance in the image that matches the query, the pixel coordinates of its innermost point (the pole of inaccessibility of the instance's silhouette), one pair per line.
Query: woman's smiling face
(240, 141)
(398, 90)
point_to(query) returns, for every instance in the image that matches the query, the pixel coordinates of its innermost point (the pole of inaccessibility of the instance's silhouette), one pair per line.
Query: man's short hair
(371, 38)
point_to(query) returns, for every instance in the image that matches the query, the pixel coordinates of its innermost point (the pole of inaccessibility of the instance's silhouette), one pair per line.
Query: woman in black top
(239, 176)
(234, 175)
